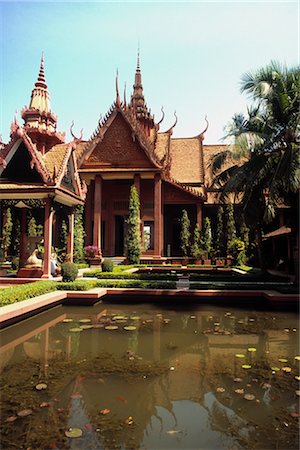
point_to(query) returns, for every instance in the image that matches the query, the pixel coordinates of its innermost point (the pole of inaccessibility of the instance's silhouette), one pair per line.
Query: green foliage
(197, 247)
(82, 265)
(79, 285)
(7, 233)
(220, 232)
(185, 234)
(236, 248)
(133, 237)
(16, 233)
(141, 284)
(207, 237)
(31, 228)
(244, 233)
(69, 271)
(78, 252)
(130, 276)
(230, 223)
(107, 265)
(25, 291)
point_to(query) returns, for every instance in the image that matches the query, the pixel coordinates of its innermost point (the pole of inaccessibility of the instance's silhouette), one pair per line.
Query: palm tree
(263, 161)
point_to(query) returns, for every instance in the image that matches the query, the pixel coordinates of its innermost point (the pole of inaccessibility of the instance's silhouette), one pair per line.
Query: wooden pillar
(23, 238)
(70, 244)
(199, 214)
(47, 238)
(88, 215)
(97, 212)
(157, 216)
(137, 184)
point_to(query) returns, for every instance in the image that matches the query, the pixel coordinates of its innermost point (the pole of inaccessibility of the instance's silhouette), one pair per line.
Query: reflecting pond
(143, 376)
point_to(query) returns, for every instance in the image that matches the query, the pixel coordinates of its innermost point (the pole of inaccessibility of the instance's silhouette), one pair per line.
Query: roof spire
(118, 101)
(125, 104)
(41, 81)
(138, 68)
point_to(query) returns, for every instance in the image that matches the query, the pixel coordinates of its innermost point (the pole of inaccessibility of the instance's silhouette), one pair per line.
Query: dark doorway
(172, 227)
(119, 235)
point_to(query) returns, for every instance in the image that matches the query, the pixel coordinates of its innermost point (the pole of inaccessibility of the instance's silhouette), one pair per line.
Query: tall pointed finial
(118, 101)
(125, 104)
(138, 68)
(41, 81)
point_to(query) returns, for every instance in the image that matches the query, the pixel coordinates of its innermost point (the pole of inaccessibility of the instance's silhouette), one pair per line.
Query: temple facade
(39, 171)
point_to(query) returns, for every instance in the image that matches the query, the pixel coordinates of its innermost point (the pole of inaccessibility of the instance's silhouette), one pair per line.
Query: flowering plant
(91, 251)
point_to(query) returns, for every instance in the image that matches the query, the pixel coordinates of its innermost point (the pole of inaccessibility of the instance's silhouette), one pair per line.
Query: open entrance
(119, 235)
(172, 227)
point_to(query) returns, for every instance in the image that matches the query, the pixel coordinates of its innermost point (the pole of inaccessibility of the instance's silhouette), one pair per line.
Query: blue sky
(192, 57)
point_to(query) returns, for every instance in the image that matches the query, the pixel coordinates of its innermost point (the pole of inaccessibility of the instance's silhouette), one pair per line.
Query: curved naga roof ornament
(163, 116)
(170, 130)
(76, 139)
(201, 135)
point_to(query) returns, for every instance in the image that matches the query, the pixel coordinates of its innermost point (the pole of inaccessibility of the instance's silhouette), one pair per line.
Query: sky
(192, 54)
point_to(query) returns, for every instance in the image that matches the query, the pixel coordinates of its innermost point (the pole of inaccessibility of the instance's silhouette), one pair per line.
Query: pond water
(144, 376)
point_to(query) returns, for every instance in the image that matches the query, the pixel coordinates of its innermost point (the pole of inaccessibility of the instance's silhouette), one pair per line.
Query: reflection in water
(171, 379)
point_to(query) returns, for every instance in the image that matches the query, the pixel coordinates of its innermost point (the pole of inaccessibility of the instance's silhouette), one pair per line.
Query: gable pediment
(20, 167)
(119, 148)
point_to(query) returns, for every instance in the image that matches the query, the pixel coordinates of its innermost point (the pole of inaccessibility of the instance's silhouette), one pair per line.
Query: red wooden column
(23, 238)
(70, 244)
(97, 211)
(199, 214)
(137, 184)
(88, 215)
(47, 238)
(157, 216)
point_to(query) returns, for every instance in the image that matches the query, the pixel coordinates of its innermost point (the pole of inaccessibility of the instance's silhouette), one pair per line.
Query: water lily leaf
(130, 328)
(193, 317)
(111, 327)
(220, 389)
(119, 318)
(238, 380)
(171, 432)
(68, 320)
(129, 421)
(249, 397)
(294, 414)
(86, 327)
(275, 369)
(266, 386)
(297, 358)
(41, 386)
(135, 317)
(73, 433)
(75, 330)
(82, 321)
(251, 320)
(11, 419)
(246, 366)
(105, 411)
(286, 369)
(283, 360)
(239, 391)
(251, 349)
(239, 355)
(44, 405)
(298, 392)
(297, 377)
(24, 412)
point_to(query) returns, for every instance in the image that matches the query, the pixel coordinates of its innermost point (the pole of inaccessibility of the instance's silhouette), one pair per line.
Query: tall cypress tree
(133, 238)
(32, 229)
(79, 234)
(207, 237)
(244, 233)
(220, 232)
(7, 233)
(231, 228)
(185, 234)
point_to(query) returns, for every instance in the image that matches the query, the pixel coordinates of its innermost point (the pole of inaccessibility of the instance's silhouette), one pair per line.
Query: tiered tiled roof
(186, 164)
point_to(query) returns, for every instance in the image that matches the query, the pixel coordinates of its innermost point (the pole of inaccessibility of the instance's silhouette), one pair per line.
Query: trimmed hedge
(130, 276)
(80, 285)
(82, 265)
(25, 291)
(141, 284)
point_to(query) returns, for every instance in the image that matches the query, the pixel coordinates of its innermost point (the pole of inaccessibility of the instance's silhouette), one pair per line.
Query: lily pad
(82, 321)
(239, 391)
(86, 327)
(136, 318)
(297, 358)
(275, 369)
(119, 318)
(41, 386)
(249, 397)
(239, 355)
(24, 412)
(283, 360)
(237, 380)
(286, 369)
(11, 419)
(73, 433)
(294, 414)
(130, 328)
(220, 389)
(297, 392)
(111, 327)
(44, 405)
(297, 377)
(75, 330)
(67, 320)
(246, 366)
(251, 349)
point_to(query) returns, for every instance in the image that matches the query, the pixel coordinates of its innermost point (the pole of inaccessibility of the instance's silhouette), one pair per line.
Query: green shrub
(69, 271)
(25, 291)
(236, 248)
(107, 265)
(81, 285)
(82, 265)
(139, 284)
(133, 236)
(130, 276)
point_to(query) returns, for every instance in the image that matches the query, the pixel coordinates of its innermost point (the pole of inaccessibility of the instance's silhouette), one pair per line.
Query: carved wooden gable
(68, 178)
(20, 167)
(119, 148)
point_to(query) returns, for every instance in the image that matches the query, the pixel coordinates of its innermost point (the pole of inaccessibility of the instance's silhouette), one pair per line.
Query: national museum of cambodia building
(39, 170)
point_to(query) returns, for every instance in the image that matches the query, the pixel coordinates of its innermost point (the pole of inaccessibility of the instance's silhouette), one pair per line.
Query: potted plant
(197, 247)
(207, 240)
(93, 255)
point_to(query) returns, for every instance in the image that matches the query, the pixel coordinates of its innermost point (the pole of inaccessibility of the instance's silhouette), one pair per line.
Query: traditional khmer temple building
(38, 169)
